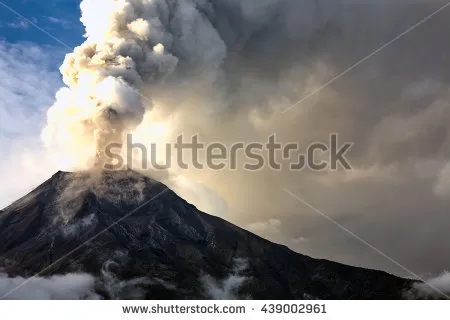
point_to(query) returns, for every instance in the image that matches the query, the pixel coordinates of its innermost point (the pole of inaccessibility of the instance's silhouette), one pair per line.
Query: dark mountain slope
(128, 227)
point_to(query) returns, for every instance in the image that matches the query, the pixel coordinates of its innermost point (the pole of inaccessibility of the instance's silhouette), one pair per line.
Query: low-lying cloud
(227, 288)
(59, 287)
(437, 288)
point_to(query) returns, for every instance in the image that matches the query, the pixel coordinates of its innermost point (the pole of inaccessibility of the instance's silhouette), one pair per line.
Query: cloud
(65, 24)
(234, 82)
(299, 240)
(27, 89)
(204, 198)
(28, 86)
(227, 288)
(271, 229)
(274, 230)
(442, 185)
(19, 24)
(437, 288)
(63, 287)
(135, 288)
(122, 289)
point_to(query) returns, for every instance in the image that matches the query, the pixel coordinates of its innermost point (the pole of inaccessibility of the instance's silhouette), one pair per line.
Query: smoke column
(126, 46)
(228, 68)
(136, 49)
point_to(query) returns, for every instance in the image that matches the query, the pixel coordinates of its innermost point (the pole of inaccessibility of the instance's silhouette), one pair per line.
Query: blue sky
(61, 18)
(35, 35)
(29, 79)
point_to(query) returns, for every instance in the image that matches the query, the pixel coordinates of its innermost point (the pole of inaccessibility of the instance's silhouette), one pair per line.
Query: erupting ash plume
(138, 52)
(227, 69)
(127, 45)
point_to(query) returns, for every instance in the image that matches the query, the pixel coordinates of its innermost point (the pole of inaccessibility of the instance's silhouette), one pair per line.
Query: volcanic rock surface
(131, 232)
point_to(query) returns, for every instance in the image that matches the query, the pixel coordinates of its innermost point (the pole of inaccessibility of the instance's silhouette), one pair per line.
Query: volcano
(127, 228)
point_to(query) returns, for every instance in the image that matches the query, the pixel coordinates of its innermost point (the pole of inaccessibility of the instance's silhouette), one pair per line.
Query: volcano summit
(138, 239)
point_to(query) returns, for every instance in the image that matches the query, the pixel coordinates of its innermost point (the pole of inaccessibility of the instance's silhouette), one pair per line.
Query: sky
(30, 61)
(60, 18)
(393, 106)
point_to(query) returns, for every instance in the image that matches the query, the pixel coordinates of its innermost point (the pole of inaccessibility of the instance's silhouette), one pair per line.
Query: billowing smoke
(139, 53)
(124, 49)
(227, 69)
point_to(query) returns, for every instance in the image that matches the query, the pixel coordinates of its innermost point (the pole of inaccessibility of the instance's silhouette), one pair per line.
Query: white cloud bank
(27, 87)
(65, 287)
